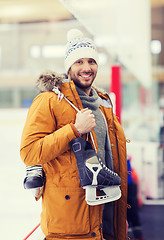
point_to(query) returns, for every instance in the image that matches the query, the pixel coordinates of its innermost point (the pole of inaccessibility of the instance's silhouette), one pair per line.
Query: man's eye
(79, 62)
(92, 62)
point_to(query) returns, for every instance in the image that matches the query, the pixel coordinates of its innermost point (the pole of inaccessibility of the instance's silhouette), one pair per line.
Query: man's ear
(68, 70)
(68, 74)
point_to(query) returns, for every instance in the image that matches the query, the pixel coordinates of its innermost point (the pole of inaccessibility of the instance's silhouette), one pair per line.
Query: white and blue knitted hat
(78, 47)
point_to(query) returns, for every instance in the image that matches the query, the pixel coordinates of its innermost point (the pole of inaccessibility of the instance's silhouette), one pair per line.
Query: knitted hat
(78, 47)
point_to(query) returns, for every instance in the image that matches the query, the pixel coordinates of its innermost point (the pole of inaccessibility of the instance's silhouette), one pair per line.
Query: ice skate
(94, 175)
(35, 179)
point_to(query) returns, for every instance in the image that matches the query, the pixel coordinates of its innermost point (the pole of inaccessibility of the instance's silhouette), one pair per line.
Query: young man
(52, 123)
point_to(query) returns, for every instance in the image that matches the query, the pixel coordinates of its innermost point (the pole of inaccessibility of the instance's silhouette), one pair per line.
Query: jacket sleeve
(41, 142)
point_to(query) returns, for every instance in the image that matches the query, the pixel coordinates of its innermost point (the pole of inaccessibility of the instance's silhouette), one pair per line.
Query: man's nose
(86, 67)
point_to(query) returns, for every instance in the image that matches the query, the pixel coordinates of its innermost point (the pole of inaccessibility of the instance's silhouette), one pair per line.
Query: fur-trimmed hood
(48, 80)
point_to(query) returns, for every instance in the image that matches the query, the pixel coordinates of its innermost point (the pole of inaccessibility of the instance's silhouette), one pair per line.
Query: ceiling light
(35, 51)
(53, 51)
(155, 46)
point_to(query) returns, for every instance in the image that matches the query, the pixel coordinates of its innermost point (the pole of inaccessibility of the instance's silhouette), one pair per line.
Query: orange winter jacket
(45, 140)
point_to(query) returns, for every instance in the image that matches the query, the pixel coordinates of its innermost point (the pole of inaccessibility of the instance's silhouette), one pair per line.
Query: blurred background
(129, 35)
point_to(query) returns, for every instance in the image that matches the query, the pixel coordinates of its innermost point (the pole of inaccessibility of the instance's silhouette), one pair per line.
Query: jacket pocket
(67, 211)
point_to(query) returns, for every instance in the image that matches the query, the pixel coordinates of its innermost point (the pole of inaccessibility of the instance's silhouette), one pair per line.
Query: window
(35, 51)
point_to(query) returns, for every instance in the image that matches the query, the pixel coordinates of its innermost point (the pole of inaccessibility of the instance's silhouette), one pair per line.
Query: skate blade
(111, 194)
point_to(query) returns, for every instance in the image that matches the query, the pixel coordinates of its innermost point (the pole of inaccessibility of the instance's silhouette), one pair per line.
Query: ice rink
(19, 212)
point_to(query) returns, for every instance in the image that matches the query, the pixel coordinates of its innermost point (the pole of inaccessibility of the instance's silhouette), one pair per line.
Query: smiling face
(83, 73)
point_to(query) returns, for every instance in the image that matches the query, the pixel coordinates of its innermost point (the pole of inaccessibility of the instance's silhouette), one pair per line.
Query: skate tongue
(92, 159)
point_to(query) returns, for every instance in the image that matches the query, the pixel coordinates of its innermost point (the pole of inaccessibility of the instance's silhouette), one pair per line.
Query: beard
(82, 83)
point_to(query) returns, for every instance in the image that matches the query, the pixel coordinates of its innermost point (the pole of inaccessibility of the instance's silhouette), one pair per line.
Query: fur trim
(48, 80)
(99, 90)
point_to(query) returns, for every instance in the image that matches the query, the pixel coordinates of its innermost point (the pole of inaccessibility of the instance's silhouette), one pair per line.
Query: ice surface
(19, 212)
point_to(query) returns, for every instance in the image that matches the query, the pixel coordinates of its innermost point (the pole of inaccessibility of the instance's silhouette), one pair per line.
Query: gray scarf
(92, 102)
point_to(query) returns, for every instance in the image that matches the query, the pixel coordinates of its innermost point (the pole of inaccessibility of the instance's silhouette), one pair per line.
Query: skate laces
(36, 171)
(57, 91)
(60, 97)
(105, 167)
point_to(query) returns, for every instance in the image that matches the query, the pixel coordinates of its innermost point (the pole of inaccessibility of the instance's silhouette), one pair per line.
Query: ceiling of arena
(123, 39)
(36, 10)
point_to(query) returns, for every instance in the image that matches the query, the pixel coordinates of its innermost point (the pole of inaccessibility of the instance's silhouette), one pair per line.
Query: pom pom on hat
(78, 47)
(74, 33)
